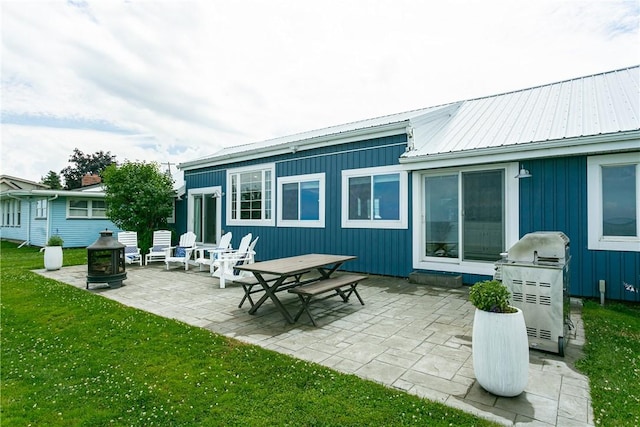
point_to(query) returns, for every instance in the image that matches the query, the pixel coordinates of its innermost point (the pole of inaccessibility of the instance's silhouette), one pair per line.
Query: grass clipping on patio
(70, 357)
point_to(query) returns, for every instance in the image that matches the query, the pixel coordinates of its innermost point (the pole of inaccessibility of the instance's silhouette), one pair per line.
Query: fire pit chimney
(105, 261)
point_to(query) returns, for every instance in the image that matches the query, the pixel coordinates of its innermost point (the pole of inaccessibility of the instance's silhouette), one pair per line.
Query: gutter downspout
(46, 237)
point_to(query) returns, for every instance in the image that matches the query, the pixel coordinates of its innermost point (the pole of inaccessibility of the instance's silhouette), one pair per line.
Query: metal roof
(599, 104)
(326, 136)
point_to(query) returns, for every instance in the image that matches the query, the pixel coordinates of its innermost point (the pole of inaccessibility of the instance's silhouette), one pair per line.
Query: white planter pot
(500, 352)
(52, 257)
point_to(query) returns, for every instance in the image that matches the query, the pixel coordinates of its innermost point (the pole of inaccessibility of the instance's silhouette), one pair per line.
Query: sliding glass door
(465, 215)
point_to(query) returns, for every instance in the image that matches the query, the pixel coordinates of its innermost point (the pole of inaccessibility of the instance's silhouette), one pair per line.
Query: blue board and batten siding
(555, 199)
(379, 251)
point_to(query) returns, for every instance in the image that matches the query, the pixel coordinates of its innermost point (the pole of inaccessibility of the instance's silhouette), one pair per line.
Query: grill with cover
(536, 271)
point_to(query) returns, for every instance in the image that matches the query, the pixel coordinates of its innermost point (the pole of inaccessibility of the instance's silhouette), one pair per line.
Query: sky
(174, 81)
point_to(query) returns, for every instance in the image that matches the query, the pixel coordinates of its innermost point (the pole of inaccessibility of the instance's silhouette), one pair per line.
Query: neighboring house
(12, 183)
(435, 189)
(32, 215)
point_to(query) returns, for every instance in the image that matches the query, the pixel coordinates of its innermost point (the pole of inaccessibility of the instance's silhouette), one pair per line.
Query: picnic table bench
(288, 274)
(334, 284)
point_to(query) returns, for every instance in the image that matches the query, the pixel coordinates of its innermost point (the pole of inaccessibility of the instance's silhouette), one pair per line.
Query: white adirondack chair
(131, 250)
(209, 256)
(182, 253)
(228, 260)
(161, 241)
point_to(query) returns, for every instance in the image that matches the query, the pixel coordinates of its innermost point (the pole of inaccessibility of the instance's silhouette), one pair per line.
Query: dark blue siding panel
(385, 252)
(555, 199)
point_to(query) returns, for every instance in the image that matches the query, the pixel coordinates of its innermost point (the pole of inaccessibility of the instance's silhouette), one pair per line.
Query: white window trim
(401, 223)
(512, 221)
(203, 192)
(90, 214)
(596, 240)
(42, 208)
(255, 222)
(13, 209)
(319, 223)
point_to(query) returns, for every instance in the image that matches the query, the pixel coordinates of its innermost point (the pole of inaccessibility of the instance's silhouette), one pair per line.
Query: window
(613, 184)
(41, 208)
(374, 198)
(301, 201)
(86, 208)
(11, 213)
(251, 199)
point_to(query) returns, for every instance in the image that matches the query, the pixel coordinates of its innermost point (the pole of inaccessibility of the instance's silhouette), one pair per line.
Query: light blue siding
(76, 232)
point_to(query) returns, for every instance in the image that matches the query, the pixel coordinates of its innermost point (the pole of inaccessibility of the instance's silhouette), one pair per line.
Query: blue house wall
(379, 251)
(555, 199)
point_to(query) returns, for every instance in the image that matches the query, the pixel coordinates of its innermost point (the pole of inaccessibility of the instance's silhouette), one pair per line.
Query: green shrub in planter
(55, 241)
(491, 295)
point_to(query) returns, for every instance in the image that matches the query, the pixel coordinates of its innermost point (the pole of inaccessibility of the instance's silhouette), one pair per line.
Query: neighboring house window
(251, 198)
(11, 213)
(613, 188)
(301, 200)
(86, 208)
(374, 198)
(464, 218)
(41, 209)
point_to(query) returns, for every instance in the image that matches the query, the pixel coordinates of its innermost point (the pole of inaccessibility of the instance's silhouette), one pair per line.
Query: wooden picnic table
(291, 267)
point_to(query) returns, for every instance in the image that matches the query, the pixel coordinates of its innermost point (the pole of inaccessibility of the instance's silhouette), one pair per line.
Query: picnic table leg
(326, 273)
(346, 294)
(305, 307)
(270, 292)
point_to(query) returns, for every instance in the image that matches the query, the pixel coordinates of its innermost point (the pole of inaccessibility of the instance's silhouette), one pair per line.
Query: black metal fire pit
(105, 261)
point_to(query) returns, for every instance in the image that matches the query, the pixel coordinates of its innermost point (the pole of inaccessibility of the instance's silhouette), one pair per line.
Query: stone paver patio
(411, 337)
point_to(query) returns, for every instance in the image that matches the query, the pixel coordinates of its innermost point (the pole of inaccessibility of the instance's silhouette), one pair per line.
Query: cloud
(172, 81)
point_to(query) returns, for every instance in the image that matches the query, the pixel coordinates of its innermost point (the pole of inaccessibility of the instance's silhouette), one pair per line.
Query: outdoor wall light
(217, 194)
(524, 173)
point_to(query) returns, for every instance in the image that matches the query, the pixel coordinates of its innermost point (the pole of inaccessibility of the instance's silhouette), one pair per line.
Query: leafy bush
(55, 241)
(491, 295)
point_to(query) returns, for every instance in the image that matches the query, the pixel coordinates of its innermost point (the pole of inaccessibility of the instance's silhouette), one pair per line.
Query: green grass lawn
(612, 361)
(73, 358)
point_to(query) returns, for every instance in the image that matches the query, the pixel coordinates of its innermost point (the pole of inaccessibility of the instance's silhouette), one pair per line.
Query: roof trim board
(379, 131)
(619, 142)
(58, 193)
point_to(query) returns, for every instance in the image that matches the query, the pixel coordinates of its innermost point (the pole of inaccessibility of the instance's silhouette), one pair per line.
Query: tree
(85, 164)
(139, 198)
(52, 180)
